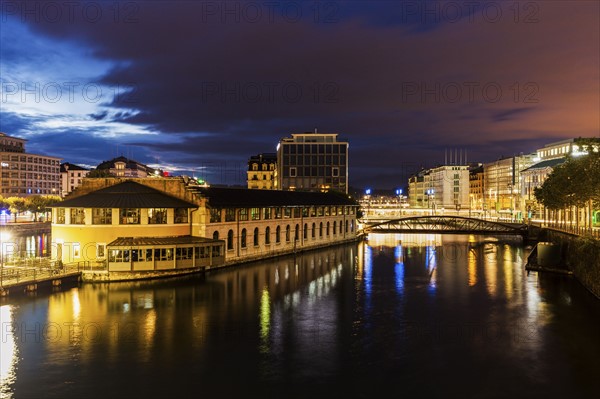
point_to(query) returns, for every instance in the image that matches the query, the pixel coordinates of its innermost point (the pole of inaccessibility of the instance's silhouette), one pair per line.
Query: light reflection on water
(431, 315)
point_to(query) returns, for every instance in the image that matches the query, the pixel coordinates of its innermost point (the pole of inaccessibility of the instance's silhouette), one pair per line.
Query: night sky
(198, 87)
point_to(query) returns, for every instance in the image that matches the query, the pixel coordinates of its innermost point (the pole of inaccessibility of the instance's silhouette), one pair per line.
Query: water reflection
(351, 321)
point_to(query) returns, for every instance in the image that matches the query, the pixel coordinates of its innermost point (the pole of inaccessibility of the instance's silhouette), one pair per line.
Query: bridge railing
(592, 232)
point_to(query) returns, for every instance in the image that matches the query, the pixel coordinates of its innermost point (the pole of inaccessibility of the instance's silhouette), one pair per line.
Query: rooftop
(173, 240)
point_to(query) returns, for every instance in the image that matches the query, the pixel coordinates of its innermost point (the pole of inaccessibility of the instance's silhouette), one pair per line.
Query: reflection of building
(124, 167)
(312, 162)
(261, 171)
(25, 174)
(70, 176)
(165, 224)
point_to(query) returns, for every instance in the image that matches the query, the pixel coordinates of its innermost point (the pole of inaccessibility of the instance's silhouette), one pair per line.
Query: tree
(39, 203)
(16, 206)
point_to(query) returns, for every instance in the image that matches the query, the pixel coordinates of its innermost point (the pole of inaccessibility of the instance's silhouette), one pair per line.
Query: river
(432, 316)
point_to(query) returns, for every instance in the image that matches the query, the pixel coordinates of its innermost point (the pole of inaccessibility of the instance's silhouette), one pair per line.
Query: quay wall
(581, 255)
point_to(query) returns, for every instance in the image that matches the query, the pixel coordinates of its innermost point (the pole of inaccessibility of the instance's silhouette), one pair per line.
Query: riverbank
(579, 255)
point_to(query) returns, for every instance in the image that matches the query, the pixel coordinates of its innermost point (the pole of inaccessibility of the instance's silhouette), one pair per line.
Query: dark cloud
(399, 84)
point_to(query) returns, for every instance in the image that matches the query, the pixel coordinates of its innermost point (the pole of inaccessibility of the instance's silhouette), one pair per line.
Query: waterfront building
(157, 225)
(476, 188)
(312, 162)
(419, 186)
(125, 167)
(502, 182)
(261, 171)
(450, 184)
(24, 174)
(70, 177)
(532, 178)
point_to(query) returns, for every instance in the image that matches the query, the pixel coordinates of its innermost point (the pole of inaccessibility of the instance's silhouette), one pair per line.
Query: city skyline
(199, 88)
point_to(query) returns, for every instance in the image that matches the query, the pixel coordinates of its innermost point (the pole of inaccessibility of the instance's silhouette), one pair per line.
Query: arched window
(305, 233)
(243, 240)
(320, 229)
(346, 226)
(278, 234)
(314, 229)
(327, 230)
(256, 236)
(230, 239)
(216, 235)
(334, 226)
(297, 233)
(287, 233)
(268, 235)
(352, 226)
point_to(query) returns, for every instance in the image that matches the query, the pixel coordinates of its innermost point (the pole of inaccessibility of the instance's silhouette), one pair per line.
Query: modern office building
(450, 184)
(70, 177)
(502, 182)
(312, 162)
(261, 171)
(476, 188)
(24, 174)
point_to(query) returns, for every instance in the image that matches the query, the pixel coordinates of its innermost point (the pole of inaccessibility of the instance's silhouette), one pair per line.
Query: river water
(399, 316)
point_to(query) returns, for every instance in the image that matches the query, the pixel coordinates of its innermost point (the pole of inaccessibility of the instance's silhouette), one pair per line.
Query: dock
(20, 280)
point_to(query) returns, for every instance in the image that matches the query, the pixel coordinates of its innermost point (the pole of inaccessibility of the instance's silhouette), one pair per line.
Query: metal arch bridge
(443, 224)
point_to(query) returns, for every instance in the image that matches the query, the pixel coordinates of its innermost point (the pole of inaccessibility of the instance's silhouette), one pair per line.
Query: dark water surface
(400, 316)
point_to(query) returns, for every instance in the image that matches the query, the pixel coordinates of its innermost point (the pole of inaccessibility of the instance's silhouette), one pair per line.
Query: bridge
(443, 224)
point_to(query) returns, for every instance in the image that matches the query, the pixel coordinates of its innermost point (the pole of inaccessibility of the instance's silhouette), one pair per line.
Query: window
(60, 215)
(157, 216)
(77, 216)
(129, 216)
(287, 233)
(215, 215)
(297, 212)
(305, 231)
(256, 236)
(320, 229)
(243, 214)
(184, 253)
(216, 235)
(216, 251)
(278, 235)
(327, 230)
(314, 228)
(287, 212)
(293, 171)
(334, 226)
(267, 213)
(181, 215)
(163, 254)
(335, 171)
(76, 250)
(277, 213)
(297, 233)
(230, 239)
(255, 213)
(243, 239)
(230, 215)
(267, 235)
(101, 216)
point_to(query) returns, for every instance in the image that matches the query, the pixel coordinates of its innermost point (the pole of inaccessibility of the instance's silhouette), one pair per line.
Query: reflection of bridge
(443, 224)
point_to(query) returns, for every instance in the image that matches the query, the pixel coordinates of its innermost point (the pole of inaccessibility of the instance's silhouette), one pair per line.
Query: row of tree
(574, 183)
(36, 204)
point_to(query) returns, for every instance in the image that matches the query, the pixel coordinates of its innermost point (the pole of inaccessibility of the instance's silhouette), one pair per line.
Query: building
(450, 185)
(124, 167)
(532, 178)
(476, 188)
(419, 185)
(502, 182)
(261, 171)
(312, 162)
(24, 174)
(70, 177)
(131, 226)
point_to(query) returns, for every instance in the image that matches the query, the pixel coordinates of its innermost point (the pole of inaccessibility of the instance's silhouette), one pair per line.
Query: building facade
(312, 162)
(140, 225)
(450, 184)
(502, 182)
(476, 188)
(24, 174)
(125, 167)
(261, 171)
(70, 177)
